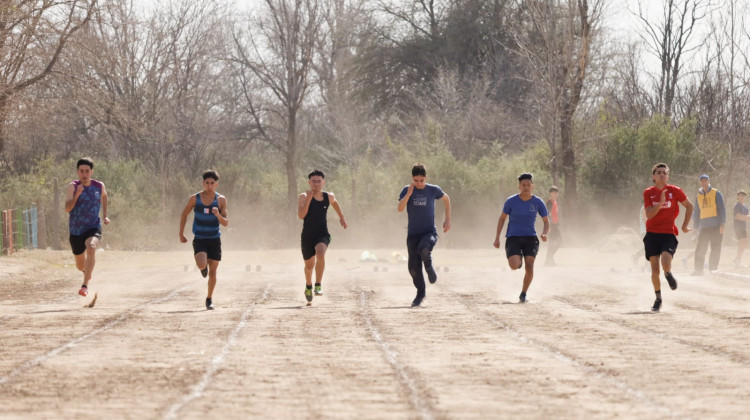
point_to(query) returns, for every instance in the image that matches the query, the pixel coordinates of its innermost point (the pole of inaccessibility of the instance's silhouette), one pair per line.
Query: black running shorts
(78, 242)
(309, 241)
(212, 247)
(656, 243)
(525, 246)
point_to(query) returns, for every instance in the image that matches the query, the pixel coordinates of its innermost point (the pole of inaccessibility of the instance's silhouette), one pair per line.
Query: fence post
(34, 227)
(8, 231)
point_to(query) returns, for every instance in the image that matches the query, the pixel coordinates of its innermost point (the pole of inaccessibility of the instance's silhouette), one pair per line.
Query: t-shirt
(553, 209)
(663, 222)
(740, 225)
(522, 215)
(421, 208)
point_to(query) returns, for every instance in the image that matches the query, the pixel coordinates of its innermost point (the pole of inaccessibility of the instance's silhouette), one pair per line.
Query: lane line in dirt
(73, 343)
(416, 397)
(218, 360)
(714, 351)
(570, 360)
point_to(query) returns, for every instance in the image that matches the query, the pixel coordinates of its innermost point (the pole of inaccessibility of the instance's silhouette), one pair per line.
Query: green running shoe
(318, 290)
(308, 294)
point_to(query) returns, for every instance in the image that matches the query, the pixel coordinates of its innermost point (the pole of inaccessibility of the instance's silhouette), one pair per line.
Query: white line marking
(35, 362)
(391, 356)
(216, 362)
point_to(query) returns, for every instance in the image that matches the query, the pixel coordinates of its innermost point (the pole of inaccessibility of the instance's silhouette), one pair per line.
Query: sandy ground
(586, 346)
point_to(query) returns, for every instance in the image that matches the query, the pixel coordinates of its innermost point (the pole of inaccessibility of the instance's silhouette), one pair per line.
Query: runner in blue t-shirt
(418, 198)
(521, 243)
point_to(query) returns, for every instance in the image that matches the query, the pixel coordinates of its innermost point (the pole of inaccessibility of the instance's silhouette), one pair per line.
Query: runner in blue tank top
(312, 207)
(418, 198)
(210, 210)
(83, 200)
(521, 244)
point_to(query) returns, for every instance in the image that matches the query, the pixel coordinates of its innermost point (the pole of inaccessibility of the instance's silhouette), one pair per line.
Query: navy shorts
(78, 242)
(525, 246)
(656, 243)
(309, 241)
(212, 247)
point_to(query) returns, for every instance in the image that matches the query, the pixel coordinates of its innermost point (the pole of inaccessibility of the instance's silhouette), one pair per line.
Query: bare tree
(279, 57)
(557, 49)
(669, 40)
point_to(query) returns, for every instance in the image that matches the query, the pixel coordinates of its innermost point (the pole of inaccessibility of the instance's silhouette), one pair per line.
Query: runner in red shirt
(660, 202)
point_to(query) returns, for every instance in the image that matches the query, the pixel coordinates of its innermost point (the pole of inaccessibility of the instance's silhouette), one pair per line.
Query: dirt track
(585, 347)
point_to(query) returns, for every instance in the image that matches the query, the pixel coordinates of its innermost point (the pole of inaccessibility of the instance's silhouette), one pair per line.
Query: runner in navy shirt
(418, 198)
(521, 243)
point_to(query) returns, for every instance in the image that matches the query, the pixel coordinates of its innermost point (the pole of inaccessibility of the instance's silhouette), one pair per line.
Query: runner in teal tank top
(83, 200)
(210, 211)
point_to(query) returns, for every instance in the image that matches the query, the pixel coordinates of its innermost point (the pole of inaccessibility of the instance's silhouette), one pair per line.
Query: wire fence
(19, 230)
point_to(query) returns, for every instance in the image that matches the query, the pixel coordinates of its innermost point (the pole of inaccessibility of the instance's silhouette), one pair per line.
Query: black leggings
(420, 251)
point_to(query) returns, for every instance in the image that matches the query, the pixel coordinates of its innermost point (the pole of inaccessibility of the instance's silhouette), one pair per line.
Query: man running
(83, 199)
(210, 210)
(660, 241)
(740, 226)
(312, 207)
(418, 198)
(521, 243)
(555, 238)
(709, 219)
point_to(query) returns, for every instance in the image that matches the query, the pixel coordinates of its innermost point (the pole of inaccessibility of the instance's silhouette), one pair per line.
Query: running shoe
(522, 297)
(657, 305)
(204, 272)
(209, 304)
(671, 280)
(84, 291)
(308, 294)
(318, 290)
(417, 301)
(431, 275)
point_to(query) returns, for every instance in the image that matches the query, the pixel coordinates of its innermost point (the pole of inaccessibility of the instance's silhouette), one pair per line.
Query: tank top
(316, 219)
(85, 213)
(205, 224)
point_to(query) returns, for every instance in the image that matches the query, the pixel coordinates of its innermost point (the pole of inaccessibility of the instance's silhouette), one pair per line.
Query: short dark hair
(211, 174)
(316, 172)
(659, 165)
(418, 170)
(553, 189)
(85, 161)
(525, 176)
(741, 192)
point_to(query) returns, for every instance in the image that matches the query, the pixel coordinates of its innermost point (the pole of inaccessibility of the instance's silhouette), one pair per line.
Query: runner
(555, 238)
(418, 198)
(709, 219)
(740, 226)
(660, 242)
(312, 207)
(83, 199)
(521, 243)
(209, 210)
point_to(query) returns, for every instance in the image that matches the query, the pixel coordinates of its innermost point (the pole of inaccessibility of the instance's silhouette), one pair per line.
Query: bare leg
(666, 262)
(741, 245)
(81, 261)
(88, 267)
(529, 275)
(654, 260)
(201, 260)
(309, 266)
(514, 261)
(320, 261)
(213, 265)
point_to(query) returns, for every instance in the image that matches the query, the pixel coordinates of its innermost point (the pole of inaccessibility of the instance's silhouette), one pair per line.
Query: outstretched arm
(447, 222)
(183, 217)
(500, 224)
(337, 207)
(688, 212)
(104, 200)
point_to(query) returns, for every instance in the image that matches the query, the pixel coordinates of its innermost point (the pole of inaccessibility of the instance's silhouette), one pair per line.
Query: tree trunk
(568, 160)
(291, 163)
(3, 119)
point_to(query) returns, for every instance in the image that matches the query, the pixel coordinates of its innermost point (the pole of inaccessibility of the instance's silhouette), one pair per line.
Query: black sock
(317, 284)
(83, 285)
(309, 286)
(658, 294)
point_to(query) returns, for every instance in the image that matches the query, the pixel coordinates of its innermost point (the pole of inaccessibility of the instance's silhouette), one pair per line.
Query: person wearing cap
(708, 219)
